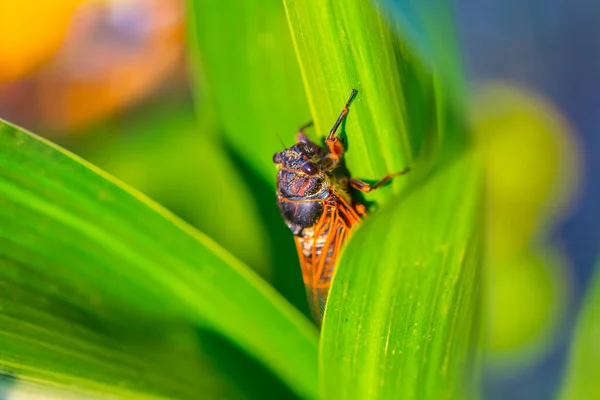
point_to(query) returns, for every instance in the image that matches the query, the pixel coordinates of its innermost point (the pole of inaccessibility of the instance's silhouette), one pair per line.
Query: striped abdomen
(319, 248)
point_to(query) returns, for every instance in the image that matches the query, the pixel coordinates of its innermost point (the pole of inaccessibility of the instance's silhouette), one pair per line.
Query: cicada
(313, 194)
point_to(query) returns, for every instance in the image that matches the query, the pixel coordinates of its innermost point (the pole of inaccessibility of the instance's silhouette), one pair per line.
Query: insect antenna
(280, 140)
(342, 115)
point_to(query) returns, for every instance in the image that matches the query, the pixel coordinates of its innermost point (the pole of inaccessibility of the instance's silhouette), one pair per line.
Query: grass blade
(428, 27)
(402, 318)
(52, 347)
(581, 380)
(110, 252)
(348, 45)
(163, 151)
(251, 76)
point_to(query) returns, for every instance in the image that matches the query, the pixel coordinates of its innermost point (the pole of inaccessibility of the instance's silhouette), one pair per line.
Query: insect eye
(276, 158)
(309, 168)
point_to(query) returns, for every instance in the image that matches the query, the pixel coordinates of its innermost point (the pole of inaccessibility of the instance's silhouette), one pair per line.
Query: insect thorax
(302, 198)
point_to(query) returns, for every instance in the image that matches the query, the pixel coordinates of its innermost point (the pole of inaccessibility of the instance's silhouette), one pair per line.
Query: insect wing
(319, 249)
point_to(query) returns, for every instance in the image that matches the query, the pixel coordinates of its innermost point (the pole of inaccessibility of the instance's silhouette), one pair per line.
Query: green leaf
(581, 380)
(519, 337)
(55, 348)
(79, 246)
(348, 45)
(245, 68)
(165, 153)
(402, 312)
(428, 26)
(244, 63)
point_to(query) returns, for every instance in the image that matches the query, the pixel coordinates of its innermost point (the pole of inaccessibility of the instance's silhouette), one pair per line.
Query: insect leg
(360, 209)
(366, 188)
(334, 144)
(301, 136)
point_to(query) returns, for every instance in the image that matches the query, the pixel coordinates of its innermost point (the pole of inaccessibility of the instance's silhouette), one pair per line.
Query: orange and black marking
(314, 198)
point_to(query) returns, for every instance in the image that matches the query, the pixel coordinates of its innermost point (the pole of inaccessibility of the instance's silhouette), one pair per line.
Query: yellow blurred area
(96, 58)
(30, 33)
(532, 169)
(531, 165)
(113, 76)
(526, 301)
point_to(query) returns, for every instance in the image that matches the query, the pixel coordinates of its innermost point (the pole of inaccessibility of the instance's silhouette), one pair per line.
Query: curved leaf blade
(402, 319)
(581, 379)
(164, 151)
(428, 27)
(114, 253)
(52, 347)
(251, 76)
(348, 45)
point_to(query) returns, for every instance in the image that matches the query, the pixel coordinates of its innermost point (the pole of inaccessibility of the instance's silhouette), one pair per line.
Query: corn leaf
(79, 248)
(348, 45)
(163, 151)
(245, 71)
(428, 28)
(401, 316)
(581, 378)
(248, 71)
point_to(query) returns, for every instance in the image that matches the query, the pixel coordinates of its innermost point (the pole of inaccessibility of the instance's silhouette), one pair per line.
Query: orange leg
(334, 144)
(360, 209)
(366, 188)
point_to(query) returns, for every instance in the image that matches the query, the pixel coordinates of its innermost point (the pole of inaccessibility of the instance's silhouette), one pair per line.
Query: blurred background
(550, 49)
(108, 80)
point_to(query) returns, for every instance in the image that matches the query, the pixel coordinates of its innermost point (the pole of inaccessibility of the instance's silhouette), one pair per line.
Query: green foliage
(158, 151)
(341, 46)
(248, 81)
(581, 381)
(402, 319)
(517, 336)
(523, 266)
(244, 64)
(103, 291)
(101, 251)
(396, 121)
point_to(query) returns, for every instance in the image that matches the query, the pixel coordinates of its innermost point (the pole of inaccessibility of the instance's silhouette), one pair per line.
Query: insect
(313, 194)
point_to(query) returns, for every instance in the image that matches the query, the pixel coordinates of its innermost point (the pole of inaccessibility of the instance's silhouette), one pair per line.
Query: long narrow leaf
(248, 73)
(348, 45)
(73, 234)
(581, 378)
(244, 51)
(163, 151)
(428, 27)
(401, 319)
